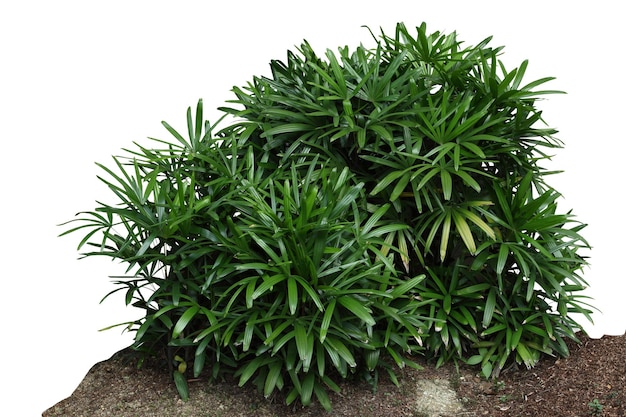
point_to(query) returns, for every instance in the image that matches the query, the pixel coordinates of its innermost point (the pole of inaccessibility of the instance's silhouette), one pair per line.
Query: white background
(82, 79)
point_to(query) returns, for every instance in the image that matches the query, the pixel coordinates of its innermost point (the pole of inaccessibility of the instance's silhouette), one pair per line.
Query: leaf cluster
(363, 206)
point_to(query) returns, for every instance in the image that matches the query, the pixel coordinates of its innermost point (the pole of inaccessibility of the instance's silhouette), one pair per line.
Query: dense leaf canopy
(364, 206)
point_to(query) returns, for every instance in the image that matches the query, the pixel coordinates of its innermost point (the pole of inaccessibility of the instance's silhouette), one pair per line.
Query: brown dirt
(594, 373)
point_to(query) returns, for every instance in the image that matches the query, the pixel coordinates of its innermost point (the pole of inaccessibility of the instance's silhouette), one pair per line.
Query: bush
(361, 208)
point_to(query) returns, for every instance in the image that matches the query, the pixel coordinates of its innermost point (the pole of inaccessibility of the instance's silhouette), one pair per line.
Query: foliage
(362, 207)
(595, 407)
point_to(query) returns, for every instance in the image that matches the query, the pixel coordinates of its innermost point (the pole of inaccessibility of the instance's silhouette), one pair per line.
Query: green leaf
(308, 384)
(184, 320)
(467, 179)
(358, 309)
(267, 284)
(388, 180)
(445, 235)
(177, 135)
(248, 370)
(374, 219)
(474, 360)
(487, 368)
(326, 320)
(272, 378)
(338, 347)
(526, 356)
(292, 294)
(476, 289)
(248, 332)
(320, 359)
(446, 184)
(371, 359)
(284, 340)
(322, 397)
(310, 292)
(407, 286)
(304, 343)
(490, 307)
(496, 328)
(266, 247)
(287, 128)
(447, 303)
(463, 228)
(400, 186)
(181, 385)
(503, 256)
(480, 223)
(277, 331)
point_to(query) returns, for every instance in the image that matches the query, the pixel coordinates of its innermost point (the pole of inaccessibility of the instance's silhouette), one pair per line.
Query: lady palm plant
(364, 206)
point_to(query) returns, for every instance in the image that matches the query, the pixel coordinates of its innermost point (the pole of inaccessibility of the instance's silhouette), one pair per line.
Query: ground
(590, 382)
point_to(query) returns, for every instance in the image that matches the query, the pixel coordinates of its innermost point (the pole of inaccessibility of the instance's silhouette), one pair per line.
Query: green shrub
(362, 207)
